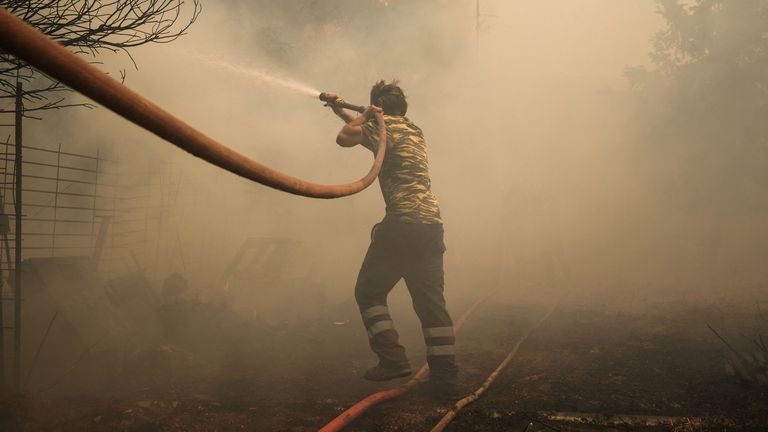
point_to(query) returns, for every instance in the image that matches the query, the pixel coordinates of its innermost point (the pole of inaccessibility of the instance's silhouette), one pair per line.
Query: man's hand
(372, 111)
(330, 101)
(339, 111)
(352, 132)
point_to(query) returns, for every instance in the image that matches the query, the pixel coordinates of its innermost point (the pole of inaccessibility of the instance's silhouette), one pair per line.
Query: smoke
(543, 171)
(555, 175)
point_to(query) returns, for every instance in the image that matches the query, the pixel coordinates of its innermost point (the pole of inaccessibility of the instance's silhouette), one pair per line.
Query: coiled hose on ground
(31, 46)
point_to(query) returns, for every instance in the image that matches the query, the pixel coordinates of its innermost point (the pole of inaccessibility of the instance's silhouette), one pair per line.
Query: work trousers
(413, 252)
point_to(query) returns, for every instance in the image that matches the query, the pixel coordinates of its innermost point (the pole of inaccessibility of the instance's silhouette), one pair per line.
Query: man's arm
(352, 133)
(341, 112)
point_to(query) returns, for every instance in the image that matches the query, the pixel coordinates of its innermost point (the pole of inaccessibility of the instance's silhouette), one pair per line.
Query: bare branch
(90, 27)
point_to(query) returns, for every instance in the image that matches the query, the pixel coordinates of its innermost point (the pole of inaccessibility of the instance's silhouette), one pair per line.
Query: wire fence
(118, 215)
(64, 194)
(71, 199)
(80, 204)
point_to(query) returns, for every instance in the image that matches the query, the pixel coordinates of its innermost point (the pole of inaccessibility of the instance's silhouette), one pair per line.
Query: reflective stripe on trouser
(376, 320)
(382, 336)
(439, 340)
(440, 350)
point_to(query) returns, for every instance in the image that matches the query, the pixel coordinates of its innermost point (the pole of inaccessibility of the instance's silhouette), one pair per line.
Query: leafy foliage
(706, 99)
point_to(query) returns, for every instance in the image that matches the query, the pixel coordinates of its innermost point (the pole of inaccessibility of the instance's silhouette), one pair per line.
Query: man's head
(390, 97)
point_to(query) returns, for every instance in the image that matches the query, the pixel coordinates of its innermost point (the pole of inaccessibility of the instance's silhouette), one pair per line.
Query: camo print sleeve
(404, 177)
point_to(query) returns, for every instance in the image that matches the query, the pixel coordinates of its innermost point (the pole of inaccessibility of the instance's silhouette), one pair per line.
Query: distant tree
(706, 97)
(89, 27)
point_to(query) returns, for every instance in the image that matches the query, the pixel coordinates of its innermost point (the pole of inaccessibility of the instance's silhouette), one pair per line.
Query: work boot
(440, 388)
(383, 372)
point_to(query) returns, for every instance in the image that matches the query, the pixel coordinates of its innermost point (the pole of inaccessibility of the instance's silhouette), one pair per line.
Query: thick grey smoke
(536, 148)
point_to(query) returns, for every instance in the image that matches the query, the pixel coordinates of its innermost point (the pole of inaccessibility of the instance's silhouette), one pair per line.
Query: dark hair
(390, 97)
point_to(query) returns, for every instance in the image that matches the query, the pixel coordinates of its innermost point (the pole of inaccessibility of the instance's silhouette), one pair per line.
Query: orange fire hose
(31, 46)
(359, 408)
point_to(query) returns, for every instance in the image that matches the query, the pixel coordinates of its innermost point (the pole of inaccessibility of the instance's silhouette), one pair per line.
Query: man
(407, 243)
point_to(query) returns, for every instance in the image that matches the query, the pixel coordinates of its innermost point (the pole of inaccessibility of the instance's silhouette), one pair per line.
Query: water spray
(277, 81)
(262, 75)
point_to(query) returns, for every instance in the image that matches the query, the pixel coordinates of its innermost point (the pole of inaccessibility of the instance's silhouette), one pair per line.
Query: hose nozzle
(339, 102)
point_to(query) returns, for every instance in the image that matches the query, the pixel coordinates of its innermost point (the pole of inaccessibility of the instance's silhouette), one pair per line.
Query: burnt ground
(656, 361)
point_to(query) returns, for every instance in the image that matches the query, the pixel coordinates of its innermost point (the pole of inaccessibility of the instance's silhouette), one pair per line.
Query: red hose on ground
(359, 408)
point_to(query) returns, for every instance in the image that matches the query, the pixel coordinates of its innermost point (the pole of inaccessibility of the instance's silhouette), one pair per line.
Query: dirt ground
(636, 365)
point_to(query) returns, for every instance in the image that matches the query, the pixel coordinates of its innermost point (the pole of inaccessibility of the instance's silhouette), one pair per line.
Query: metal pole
(7, 249)
(17, 240)
(4, 248)
(4, 234)
(477, 28)
(56, 202)
(95, 193)
(98, 243)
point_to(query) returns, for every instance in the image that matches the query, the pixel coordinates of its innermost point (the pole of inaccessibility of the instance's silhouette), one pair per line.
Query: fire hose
(31, 46)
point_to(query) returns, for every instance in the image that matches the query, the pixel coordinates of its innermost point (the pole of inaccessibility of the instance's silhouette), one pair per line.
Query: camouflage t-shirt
(404, 176)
